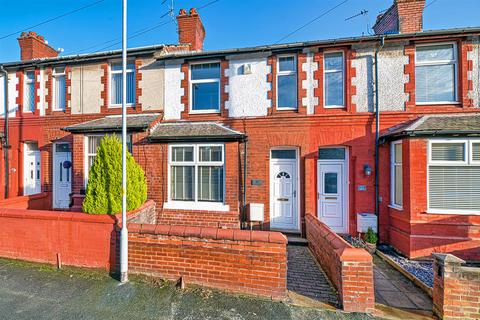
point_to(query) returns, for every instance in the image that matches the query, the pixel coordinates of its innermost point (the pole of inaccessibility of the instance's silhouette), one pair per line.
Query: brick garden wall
(349, 269)
(252, 262)
(456, 288)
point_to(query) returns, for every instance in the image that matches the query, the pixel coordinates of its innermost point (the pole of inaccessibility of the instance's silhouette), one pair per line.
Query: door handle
(330, 198)
(282, 199)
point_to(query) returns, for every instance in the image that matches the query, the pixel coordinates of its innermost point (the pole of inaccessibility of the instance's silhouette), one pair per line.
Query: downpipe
(377, 135)
(6, 145)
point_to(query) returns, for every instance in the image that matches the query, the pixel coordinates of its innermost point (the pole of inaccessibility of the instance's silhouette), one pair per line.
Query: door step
(295, 240)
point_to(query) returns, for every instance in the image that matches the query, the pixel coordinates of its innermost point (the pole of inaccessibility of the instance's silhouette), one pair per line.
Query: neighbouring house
(263, 136)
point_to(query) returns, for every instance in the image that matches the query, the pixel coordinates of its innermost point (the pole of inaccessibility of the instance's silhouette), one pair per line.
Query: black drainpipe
(377, 135)
(6, 145)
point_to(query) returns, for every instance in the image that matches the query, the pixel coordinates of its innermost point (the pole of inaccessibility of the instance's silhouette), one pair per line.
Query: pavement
(36, 291)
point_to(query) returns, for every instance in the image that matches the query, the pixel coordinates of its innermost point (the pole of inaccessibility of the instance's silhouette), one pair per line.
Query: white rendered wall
(12, 93)
(173, 90)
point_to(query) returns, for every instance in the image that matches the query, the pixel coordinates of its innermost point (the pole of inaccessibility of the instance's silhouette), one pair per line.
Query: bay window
(436, 73)
(287, 82)
(29, 95)
(454, 176)
(196, 173)
(205, 87)
(59, 85)
(334, 80)
(116, 83)
(396, 170)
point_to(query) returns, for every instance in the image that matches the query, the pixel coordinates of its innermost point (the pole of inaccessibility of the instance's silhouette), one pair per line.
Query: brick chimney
(34, 46)
(190, 29)
(404, 16)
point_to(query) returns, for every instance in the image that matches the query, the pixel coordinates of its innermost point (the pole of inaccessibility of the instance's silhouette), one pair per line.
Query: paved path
(34, 291)
(394, 290)
(306, 278)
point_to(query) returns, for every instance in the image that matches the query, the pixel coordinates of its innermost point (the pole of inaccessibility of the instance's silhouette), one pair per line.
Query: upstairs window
(287, 83)
(454, 176)
(205, 87)
(60, 89)
(436, 73)
(334, 80)
(29, 95)
(116, 83)
(396, 170)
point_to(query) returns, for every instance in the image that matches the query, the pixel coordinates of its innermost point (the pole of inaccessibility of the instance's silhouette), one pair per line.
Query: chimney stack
(34, 46)
(190, 29)
(404, 16)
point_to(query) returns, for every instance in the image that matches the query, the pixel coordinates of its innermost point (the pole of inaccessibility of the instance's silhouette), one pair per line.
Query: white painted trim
(287, 73)
(212, 80)
(392, 175)
(297, 186)
(455, 63)
(343, 81)
(346, 177)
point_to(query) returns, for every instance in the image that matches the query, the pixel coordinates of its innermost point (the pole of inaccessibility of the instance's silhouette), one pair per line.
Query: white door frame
(25, 151)
(54, 170)
(346, 182)
(297, 186)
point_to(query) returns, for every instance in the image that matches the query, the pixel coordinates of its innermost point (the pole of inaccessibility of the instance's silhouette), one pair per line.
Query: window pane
(180, 154)
(117, 66)
(286, 64)
(62, 147)
(398, 153)
(206, 96)
(476, 151)
(30, 92)
(287, 91)
(398, 185)
(210, 184)
(211, 153)
(334, 89)
(334, 61)
(448, 151)
(435, 53)
(284, 154)
(93, 143)
(116, 88)
(435, 83)
(330, 182)
(205, 71)
(331, 153)
(60, 90)
(454, 187)
(182, 183)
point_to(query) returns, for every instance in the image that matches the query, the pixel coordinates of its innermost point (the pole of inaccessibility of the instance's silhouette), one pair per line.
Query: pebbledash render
(229, 138)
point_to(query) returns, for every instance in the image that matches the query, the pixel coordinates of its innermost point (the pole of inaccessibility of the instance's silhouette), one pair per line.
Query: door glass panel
(331, 153)
(283, 154)
(62, 147)
(61, 171)
(331, 182)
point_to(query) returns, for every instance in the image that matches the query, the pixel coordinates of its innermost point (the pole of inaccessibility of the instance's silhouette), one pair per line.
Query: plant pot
(371, 247)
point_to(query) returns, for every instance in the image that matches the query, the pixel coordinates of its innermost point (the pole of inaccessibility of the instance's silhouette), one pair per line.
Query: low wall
(145, 214)
(349, 269)
(41, 201)
(196, 218)
(252, 262)
(456, 288)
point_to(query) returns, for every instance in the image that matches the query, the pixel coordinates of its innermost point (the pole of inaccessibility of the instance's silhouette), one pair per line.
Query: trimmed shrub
(370, 236)
(104, 189)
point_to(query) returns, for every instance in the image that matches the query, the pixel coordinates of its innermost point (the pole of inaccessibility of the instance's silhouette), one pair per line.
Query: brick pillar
(456, 289)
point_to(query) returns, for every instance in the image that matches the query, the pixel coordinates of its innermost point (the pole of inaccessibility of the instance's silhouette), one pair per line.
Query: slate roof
(194, 132)
(113, 123)
(436, 125)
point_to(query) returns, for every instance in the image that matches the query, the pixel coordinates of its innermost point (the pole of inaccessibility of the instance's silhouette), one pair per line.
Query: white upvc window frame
(287, 73)
(87, 154)
(27, 82)
(467, 163)
(440, 62)
(325, 71)
(110, 77)
(393, 182)
(55, 75)
(191, 82)
(195, 204)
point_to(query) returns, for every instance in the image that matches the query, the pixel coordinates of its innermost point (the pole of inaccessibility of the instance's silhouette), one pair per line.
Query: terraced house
(260, 137)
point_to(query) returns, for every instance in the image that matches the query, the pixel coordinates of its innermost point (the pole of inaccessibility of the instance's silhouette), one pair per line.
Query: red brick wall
(190, 29)
(349, 269)
(252, 262)
(403, 16)
(412, 230)
(33, 46)
(456, 289)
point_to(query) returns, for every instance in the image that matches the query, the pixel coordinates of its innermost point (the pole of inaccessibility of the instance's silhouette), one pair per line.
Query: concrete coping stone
(445, 258)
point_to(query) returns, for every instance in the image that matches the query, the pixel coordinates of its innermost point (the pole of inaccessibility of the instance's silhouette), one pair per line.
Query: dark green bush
(104, 189)
(370, 236)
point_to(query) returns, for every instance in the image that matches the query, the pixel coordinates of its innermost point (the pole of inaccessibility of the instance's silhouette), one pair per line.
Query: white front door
(31, 169)
(331, 195)
(283, 190)
(62, 175)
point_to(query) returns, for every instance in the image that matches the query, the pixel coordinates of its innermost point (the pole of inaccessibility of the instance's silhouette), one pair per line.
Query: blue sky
(228, 23)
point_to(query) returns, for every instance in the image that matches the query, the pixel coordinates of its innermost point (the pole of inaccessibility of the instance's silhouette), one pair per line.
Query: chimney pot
(182, 12)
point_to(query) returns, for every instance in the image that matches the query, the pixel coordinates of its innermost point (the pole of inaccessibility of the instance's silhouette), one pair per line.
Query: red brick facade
(404, 16)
